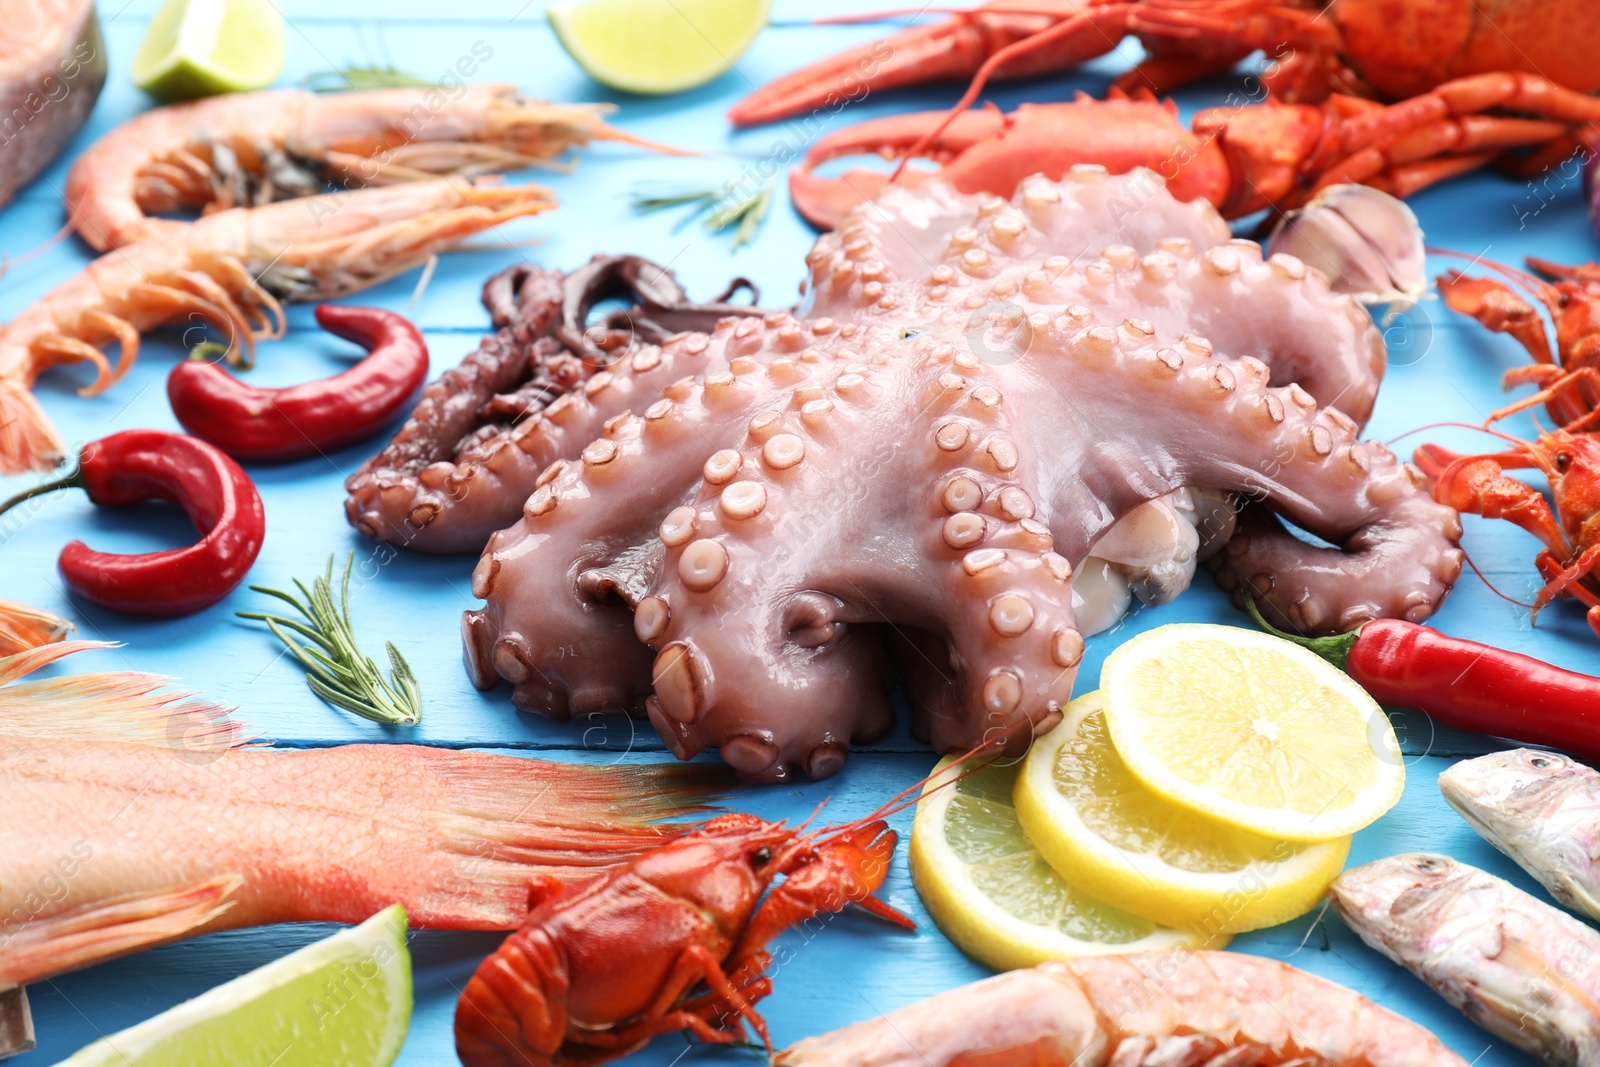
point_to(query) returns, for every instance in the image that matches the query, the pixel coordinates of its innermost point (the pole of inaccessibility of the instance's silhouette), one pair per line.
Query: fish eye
(1563, 460)
(762, 856)
(1541, 760)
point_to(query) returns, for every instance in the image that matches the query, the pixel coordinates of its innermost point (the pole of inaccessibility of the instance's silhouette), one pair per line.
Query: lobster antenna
(1492, 587)
(1460, 426)
(904, 799)
(1531, 282)
(915, 12)
(980, 79)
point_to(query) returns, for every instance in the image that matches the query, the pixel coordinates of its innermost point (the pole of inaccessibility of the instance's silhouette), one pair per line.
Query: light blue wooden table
(1443, 368)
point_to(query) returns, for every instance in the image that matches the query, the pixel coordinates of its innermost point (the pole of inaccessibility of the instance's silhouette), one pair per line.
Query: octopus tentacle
(578, 572)
(1393, 550)
(462, 465)
(759, 590)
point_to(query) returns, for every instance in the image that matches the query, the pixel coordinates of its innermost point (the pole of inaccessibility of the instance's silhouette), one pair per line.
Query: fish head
(1507, 781)
(1392, 902)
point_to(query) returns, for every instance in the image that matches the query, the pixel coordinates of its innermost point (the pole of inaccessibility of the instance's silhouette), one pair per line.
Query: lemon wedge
(657, 46)
(992, 893)
(1089, 817)
(205, 47)
(1252, 731)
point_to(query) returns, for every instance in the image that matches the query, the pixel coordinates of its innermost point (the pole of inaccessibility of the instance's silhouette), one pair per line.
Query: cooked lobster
(676, 940)
(1389, 49)
(1242, 158)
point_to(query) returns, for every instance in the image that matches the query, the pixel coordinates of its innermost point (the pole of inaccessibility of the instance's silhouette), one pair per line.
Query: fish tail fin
(39, 948)
(516, 826)
(28, 442)
(108, 706)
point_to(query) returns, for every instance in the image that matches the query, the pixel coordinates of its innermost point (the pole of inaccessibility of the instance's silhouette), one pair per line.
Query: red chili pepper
(138, 465)
(305, 420)
(1465, 684)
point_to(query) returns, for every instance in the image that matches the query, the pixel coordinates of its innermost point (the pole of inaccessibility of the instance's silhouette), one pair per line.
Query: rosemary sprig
(335, 669)
(722, 207)
(353, 79)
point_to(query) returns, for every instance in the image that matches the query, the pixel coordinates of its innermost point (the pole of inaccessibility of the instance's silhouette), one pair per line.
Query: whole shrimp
(1185, 1009)
(230, 270)
(249, 149)
(675, 940)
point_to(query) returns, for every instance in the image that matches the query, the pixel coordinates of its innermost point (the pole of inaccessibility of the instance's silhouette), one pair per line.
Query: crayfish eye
(1563, 460)
(762, 856)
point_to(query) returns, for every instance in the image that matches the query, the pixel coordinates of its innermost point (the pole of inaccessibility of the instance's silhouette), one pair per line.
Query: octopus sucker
(951, 476)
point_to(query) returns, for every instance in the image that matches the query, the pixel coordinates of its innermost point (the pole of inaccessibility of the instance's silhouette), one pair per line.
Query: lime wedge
(657, 46)
(200, 48)
(344, 1001)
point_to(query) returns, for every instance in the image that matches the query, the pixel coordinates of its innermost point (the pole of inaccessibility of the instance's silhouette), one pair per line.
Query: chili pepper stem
(74, 480)
(1336, 649)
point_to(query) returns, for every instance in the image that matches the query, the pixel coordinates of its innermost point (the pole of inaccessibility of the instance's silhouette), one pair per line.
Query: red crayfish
(1240, 158)
(1569, 382)
(675, 940)
(1374, 48)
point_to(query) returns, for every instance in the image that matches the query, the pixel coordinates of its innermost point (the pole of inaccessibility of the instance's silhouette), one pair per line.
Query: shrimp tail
(27, 440)
(104, 929)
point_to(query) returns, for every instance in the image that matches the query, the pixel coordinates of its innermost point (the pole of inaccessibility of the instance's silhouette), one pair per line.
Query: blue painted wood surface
(1443, 369)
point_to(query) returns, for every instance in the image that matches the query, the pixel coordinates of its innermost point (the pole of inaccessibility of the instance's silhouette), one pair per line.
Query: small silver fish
(1542, 810)
(1521, 969)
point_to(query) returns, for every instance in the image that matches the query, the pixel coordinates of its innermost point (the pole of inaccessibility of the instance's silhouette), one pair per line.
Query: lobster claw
(824, 201)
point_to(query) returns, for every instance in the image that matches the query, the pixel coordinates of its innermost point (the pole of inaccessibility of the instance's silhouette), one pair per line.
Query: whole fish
(1542, 810)
(133, 819)
(52, 67)
(1525, 971)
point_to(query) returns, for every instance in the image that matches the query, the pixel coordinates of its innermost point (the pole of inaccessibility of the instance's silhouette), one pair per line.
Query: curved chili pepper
(1465, 684)
(249, 422)
(139, 465)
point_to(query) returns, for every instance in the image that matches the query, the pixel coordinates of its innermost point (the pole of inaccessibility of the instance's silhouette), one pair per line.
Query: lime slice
(1088, 816)
(1252, 731)
(345, 1001)
(657, 46)
(205, 47)
(995, 896)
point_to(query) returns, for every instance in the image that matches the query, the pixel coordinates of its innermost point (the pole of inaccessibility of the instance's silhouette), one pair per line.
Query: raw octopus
(978, 391)
(448, 481)
(454, 473)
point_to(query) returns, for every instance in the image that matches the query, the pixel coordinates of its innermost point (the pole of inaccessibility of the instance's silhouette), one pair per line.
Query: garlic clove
(1367, 242)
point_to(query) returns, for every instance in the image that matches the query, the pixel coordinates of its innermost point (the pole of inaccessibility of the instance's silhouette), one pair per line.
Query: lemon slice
(205, 47)
(1089, 817)
(996, 897)
(1252, 731)
(657, 46)
(344, 1000)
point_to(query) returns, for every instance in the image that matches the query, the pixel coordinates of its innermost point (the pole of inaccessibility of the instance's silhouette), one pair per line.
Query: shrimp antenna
(8, 261)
